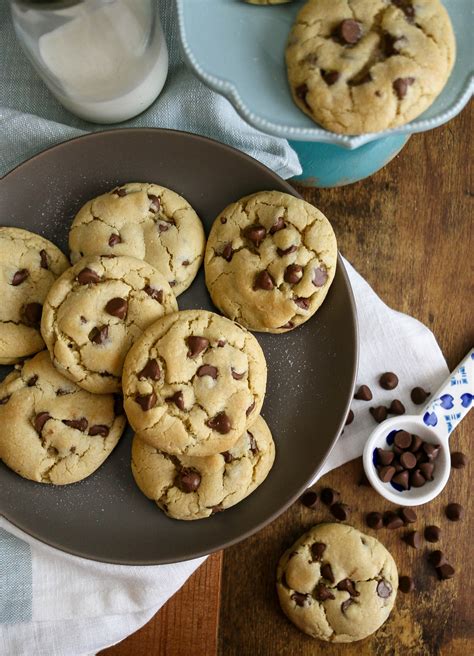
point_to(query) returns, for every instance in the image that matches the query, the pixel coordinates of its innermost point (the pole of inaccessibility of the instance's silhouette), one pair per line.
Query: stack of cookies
(193, 382)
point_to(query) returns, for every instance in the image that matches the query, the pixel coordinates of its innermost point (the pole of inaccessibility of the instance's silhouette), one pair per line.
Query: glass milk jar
(104, 60)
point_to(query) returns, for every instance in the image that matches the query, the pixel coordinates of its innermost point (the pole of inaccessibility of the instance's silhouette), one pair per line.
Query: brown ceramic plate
(311, 371)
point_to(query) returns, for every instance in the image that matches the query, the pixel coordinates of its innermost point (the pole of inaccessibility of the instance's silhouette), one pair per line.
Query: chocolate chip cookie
(270, 260)
(29, 264)
(146, 221)
(187, 487)
(367, 65)
(95, 311)
(53, 431)
(337, 584)
(193, 383)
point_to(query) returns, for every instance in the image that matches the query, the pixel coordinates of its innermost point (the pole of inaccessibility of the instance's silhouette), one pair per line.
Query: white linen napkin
(54, 604)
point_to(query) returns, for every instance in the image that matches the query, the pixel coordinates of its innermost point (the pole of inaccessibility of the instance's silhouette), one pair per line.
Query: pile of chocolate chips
(411, 462)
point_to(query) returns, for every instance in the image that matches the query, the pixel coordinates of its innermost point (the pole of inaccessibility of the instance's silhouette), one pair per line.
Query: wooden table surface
(409, 231)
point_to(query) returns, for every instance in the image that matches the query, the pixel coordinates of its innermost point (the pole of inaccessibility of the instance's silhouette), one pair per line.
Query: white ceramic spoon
(434, 424)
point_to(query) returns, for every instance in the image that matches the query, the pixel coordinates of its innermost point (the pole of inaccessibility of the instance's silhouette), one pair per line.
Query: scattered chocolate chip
(317, 550)
(320, 276)
(155, 294)
(379, 413)
(340, 511)
(427, 469)
(278, 225)
(406, 6)
(207, 370)
(408, 460)
(114, 239)
(329, 496)
(330, 77)
(221, 343)
(432, 533)
(19, 277)
(417, 479)
(287, 251)
(4, 400)
(309, 499)
(408, 515)
(44, 259)
(99, 335)
(374, 520)
(228, 457)
(252, 443)
(40, 420)
(437, 558)
(119, 192)
(227, 252)
(418, 395)
(349, 418)
(293, 273)
(250, 409)
(345, 605)
(163, 226)
(454, 512)
(155, 203)
(220, 423)
(400, 86)
(264, 281)
(177, 399)
(99, 429)
(413, 539)
(301, 92)
(363, 393)
(431, 450)
(445, 571)
(256, 234)
(151, 370)
(32, 313)
(236, 375)
(392, 521)
(346, 585)
(396, 408)
(326, 572)
(386, 473)
(402, 479)
(32, 381)
(302, 303)
(458, 460)
(79, 424)
(385, 457)
(349, 31)
(287, 326)
(87, 277)
(223, 220)
(188, 480)
(196, 345)
(52, 451)
(384, 589)
(388, 380)
(117, 307)
(416, 443)
(406, 584)
(301, 599)
(146, 401)
(322, 593)
(402, 439)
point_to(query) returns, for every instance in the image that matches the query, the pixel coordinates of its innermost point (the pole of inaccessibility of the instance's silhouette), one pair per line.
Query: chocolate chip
(163, 227)
(330, 77)
(151, 370)
(413, 539)
(301, 599)
(445, 571)
(317, 551)
(384, 457)
(117, 307)
(363, 77)
(99, 335)
(402, 439)
(287, 326)
(146, 401)
(349, 31)
(293, 273)
(396, 408)
(384, 589)
(340, 511)
(221, 343)
(287, 251)
(19, 277)
(264, 281)
(155, 294)
(432, 533)
(32, 381)
(301, 92)
(345, 605)
(228, 457)
(374, 520)
(44, 259)
(236, 375)
(406, 584)
(252, 442)
(99, 429)
(155, 203)
(322, 593)
(320, 276)
(223, 220)
(379, 413)
(220, 423)
(458, 460)
(408, 460)
(227, 252)
(32, 313)
(402, 479)
(256, 234)
(250, 409)
(406, 6)
(363, 393)
(177, 399)
(309, 499)
(431, 450)
(454, 512)
(326, 572)
(188, 480)
(278, 225)
(119, 192)
(427, 469)
(400, 86)
(40, 420)
(437, 558)
(114, 239)
(207, 370)
(87, 277)
(349, 418)
(386, 473)
(196, 345)
(417, 479)
(388, 380)
(391, 520)
(329, 496)
(302, 303)
(79, 424)
(416, 443)
(408, 515)
(346, 585)
(389, 44)
(418, 395)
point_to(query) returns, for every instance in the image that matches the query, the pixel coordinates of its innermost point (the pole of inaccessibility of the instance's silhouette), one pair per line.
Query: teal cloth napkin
(31, 119)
